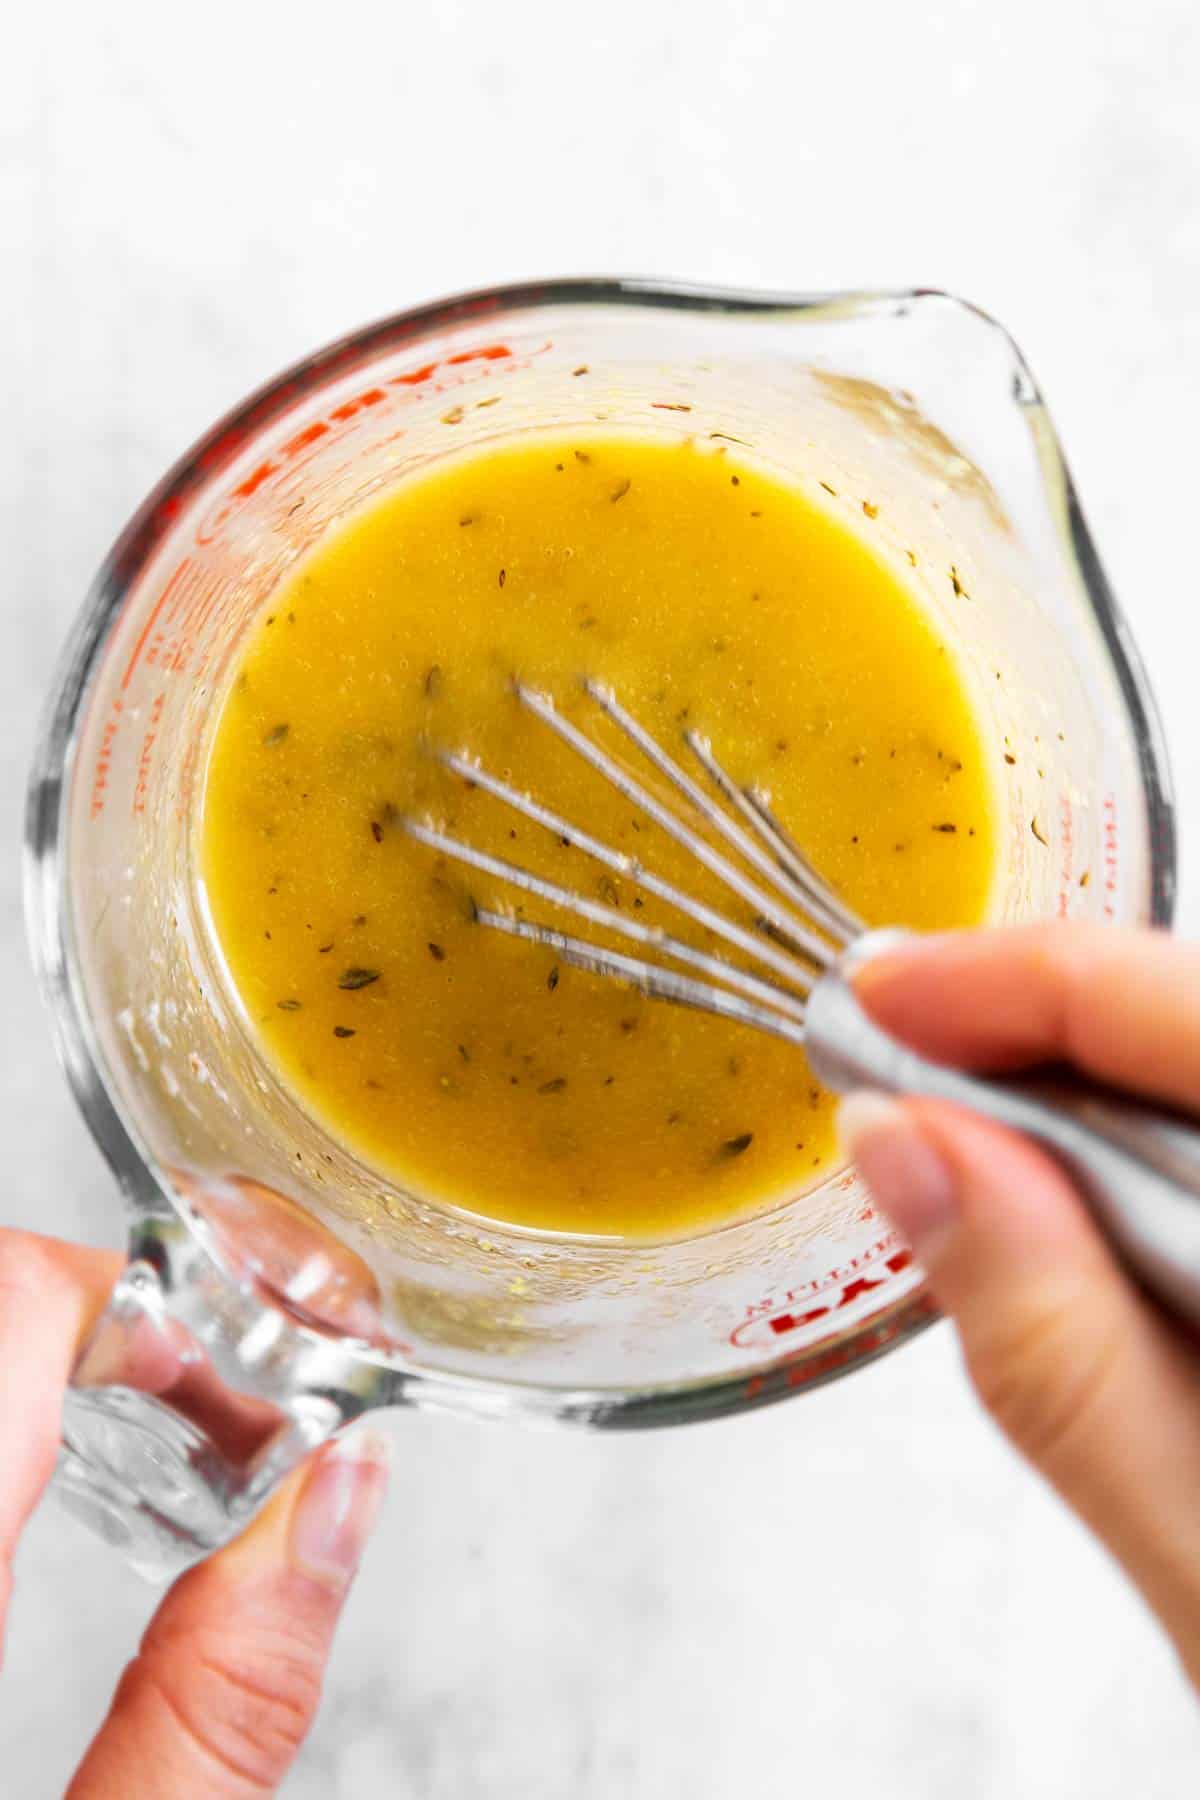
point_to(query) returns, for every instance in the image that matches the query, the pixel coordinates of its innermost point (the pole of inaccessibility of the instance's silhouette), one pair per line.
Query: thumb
(1083, 1375)
(228, 1678)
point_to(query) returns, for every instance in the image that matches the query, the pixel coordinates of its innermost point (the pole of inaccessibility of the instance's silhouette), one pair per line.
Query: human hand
(227, 1680)
(1083, 1372)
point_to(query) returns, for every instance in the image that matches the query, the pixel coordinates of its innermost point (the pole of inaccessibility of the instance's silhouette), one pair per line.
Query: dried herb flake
(353, 979)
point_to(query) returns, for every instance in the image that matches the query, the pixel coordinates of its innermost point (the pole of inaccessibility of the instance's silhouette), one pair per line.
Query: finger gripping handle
(1137, 1165)
(160, 1454)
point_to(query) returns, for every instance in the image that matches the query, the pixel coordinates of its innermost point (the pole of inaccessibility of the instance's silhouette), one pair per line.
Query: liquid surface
(482, 1072)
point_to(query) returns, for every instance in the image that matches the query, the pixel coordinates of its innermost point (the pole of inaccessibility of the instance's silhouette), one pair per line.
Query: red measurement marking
(1111, 855)
(856, 1289)
(104, 758)
(171, 591)
(783, 1322)
(776, 1317)
(142, 785)
(348, 408)
(415, 377)
(289, 454)
(309, 435)
(812, 1368)
(488, 353)
(255, 479)
(1066, 835)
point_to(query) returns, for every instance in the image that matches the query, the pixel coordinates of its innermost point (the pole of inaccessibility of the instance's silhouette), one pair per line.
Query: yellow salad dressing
(483, 1072)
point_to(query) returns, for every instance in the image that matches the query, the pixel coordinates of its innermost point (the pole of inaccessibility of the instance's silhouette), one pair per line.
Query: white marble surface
(861, 1593)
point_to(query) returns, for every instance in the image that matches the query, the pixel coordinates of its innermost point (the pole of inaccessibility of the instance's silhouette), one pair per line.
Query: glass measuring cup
(276, 1286)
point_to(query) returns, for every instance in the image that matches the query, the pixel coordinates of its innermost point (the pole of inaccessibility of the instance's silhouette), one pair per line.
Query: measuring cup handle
(191, 1400)
(1137, 1165)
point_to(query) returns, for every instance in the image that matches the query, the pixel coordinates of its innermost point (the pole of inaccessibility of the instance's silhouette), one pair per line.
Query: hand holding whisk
(792, 976)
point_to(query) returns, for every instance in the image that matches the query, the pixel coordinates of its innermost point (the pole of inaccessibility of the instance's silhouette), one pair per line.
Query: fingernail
(880, 950)
(339, 1504)
(905, 1173)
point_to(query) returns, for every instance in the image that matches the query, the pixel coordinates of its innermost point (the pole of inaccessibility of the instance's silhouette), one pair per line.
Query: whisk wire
(660, 984)
(791, 944)
(808, 942)
(771, 866)
(611, 918)
(806, 884)
(788, 967)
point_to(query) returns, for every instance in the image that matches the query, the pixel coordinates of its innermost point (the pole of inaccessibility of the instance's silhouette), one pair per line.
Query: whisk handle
(1138, 1165)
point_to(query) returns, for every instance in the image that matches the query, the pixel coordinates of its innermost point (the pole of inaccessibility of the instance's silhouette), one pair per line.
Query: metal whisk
(1139, 1165)
(802, 925)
